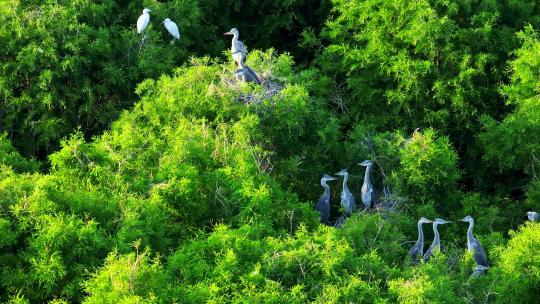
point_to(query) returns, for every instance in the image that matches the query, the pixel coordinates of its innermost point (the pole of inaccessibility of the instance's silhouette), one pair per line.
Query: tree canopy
(139, 170)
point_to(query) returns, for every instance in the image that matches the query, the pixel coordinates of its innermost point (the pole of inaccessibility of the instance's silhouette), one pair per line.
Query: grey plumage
(417, 249)
(323, 205)
(339, 221)
(473, 245)
(533, 216)
(436, 244)
(238, 49)
(246, 74)
(367, 194)
(478, 270)
(347, 199)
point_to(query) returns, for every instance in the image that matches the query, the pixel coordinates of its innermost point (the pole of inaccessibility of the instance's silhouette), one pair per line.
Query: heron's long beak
(463, 220)
(331, 178)
(227, 33)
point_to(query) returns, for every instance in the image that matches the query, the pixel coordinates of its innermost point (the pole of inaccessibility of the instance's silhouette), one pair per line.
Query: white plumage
(172, 28)
(143, 20)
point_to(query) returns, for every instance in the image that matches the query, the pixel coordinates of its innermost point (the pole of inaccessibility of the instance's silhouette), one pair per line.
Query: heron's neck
(420, 233)
(469, 232)
(366, 175)
(235, 38)
(436, 239)
(326, 188)
(345, 179)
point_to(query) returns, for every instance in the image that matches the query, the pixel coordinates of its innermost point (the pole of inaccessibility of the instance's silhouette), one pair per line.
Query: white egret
(172, 28)
(143, 20)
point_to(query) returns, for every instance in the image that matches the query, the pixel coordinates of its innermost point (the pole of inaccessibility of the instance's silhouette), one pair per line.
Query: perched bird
(436, 244)
(408, 141)
(347, 199)
(474, 245)
(533, 216)
(247, 75)
(323, 205)
(417, 249)
(143, 21)
(238, 49)
(172, 28)
(478, 270)
(339, 221)
(367, 187)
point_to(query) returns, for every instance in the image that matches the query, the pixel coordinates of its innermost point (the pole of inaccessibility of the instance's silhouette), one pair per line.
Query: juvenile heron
(172, 28)
(323, 205)
(474, 245)
(367, 187)
(417, 249)
(436, 244)
(533, 216)
(347, 199)
(143, 21)
(339, 221)
(247, 75)
(238, 49)
(478, 270)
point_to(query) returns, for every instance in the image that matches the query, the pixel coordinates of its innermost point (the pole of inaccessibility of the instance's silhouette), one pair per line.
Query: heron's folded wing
(241, 47)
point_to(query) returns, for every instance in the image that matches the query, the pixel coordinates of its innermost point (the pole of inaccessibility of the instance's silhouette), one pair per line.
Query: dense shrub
(202, 190)
(519, 267)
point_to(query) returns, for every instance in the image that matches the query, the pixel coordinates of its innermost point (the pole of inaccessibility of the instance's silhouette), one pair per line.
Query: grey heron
(408, 141)
(238, 49)
(473, 245)
(339, 221)
(323, 205)
(478, 270)
(436, 244)
(417, 249)
(246, 74)
(367, 187)
(143, 21)
(172, 28)
(347, 199)
(533, 216)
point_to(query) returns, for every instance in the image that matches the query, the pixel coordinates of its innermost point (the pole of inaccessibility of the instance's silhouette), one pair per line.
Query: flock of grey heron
(416, 253)
(243, 72)
(348, 204)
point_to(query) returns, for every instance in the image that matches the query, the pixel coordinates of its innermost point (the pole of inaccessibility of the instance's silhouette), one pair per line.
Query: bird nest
(248, 96)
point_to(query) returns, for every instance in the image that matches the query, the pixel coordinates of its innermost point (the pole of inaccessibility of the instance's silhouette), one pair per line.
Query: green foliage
(74, 64)
(519, 267)
(132, 278)
(173, 183)
(10, 157)
(428, 172)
